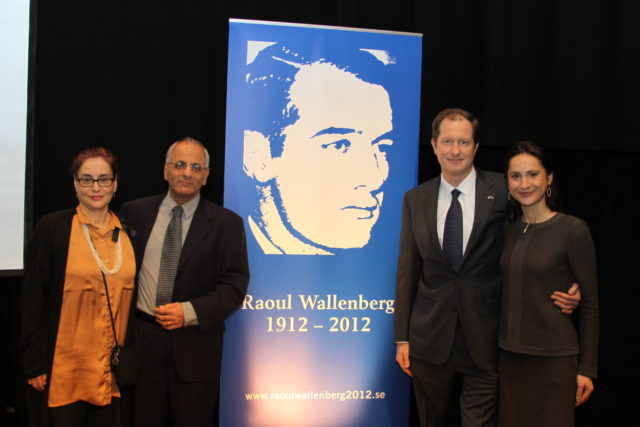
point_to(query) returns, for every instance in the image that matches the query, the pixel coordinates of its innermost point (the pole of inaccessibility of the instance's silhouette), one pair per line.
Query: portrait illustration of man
(316, 138)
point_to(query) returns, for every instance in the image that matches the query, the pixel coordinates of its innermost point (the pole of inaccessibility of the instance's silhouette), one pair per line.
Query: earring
(508, 195)
(549, 191)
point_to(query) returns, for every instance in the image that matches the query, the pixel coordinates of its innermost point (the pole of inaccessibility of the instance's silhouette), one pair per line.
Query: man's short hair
(455, 114)
(192, 141)
(270, 76)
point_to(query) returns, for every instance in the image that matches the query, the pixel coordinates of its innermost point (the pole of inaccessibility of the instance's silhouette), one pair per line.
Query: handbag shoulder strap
(106, 292)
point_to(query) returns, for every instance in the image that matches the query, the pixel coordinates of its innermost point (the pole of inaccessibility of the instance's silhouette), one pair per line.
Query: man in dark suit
(448, 289)
(192, 273)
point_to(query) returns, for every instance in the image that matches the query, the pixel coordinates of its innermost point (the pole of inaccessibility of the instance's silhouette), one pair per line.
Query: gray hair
(192, 141)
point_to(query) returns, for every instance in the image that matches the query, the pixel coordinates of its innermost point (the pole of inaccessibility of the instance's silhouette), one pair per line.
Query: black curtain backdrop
(135, 75)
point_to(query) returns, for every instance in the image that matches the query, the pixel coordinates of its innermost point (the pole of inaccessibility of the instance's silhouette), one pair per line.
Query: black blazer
(213, 274)
(431, 296)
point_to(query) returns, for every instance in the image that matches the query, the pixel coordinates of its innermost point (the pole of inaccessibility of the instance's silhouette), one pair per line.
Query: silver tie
(169, 258)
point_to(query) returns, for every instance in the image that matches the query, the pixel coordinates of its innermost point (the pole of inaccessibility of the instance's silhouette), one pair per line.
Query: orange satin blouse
(81, 363)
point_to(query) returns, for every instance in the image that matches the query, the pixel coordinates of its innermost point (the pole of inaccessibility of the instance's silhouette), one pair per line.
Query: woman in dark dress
(547, 359)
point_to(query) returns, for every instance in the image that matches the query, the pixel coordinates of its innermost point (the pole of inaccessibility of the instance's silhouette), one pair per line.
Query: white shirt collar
(466, 187)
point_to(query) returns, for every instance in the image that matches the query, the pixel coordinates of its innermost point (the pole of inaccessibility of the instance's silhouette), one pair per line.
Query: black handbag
(124, 365)
(124, 360)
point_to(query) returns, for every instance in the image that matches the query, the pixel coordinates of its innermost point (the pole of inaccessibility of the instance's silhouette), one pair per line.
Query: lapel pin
(490, 197)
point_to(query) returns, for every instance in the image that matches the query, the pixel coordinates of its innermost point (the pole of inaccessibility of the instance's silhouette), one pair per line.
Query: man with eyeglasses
(193, 273)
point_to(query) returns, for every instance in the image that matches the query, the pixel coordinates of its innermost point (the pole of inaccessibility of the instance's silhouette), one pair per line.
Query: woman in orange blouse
(67, 335)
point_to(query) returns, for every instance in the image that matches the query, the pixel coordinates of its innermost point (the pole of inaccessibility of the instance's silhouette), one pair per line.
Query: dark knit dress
(543, 349)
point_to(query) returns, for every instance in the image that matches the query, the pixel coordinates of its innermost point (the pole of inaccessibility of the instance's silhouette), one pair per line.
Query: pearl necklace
(99, 261)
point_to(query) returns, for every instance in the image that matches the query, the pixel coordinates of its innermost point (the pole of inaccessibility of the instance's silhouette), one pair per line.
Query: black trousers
(456, 393)
(83, 414)
(162, 398)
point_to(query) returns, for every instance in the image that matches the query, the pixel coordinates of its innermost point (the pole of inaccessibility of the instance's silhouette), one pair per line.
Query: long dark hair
(535, 150)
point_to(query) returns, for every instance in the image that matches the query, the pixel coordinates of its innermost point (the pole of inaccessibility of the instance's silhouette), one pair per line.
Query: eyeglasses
(88, 182)
(180, 164)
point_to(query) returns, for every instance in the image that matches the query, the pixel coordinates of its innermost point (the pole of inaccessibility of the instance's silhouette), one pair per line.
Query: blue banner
(321, 144)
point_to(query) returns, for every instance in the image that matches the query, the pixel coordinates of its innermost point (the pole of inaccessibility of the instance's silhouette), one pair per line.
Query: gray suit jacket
(431, 296)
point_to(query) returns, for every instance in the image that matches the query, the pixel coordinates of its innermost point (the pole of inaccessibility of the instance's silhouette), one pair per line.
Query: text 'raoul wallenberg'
(318, 302)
